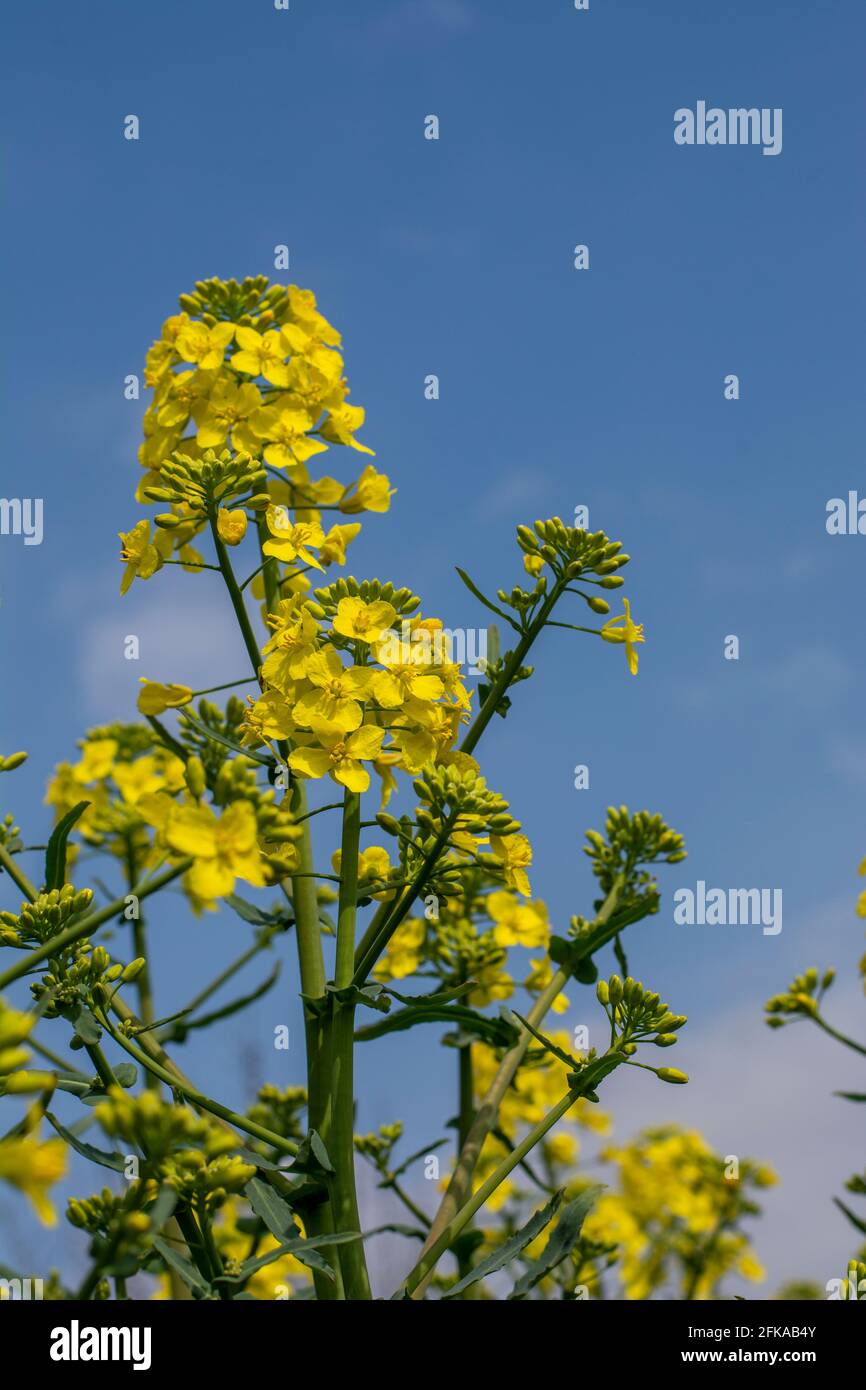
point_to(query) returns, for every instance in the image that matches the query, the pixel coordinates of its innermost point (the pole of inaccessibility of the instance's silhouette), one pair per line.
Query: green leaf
(188, 1272)
(55, 853)
(83, 1022)
(496, 1031)
(256, 915)
(852, 1217)
(267, 1204)
(548, 1046)
(373, 996)
(509, 1248)
(312, 1156)
(561, 1242)
(473, 589)
(851, 1095)
(187, 718)
(304, 1250)
(117, 1162)
(127, 1074)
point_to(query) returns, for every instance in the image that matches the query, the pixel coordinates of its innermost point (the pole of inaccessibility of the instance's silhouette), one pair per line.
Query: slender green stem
(840, 1037)
(237, 598)
(242, 1122)
(19, 878)
(487, 1112)
(341, 1026)
(311, 963)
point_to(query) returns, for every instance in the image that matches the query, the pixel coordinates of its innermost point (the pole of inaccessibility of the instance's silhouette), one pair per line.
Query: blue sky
(558, 388)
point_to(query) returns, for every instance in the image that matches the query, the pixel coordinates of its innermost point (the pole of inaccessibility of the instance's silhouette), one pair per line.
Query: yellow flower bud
(232, 526)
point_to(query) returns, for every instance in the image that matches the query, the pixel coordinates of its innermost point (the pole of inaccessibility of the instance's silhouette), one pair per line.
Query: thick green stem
(339, 1140)
(311, 962)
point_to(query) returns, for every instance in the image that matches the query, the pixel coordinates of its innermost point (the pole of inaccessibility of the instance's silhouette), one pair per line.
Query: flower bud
(195, 776)
(615, 989)
(670, 1074)
(602, 992)
(133, 970)
(665, 1039)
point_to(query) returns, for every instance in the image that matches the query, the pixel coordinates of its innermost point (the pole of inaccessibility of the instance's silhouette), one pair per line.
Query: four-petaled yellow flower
(197, 343)
(224, 847)
(32, 1167)
(372, 494)
(366, 622)
(517, 924)
(334, 701)
(261, 354)
(142, 556)
(630, 633)
(292, 541)
(341, 756)
(515, 854)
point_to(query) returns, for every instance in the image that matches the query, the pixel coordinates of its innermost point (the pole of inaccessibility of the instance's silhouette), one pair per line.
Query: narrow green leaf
(55, 853)
(509, 1248)
(852, 1217)
(473, 589)
(266, 1203)
(188, 1272)
(117, 1162)
(561, 1242)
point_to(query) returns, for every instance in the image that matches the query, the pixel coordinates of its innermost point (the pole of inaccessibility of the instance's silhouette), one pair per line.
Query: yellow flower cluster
(27, 1163)
(355, 693)
(676, 1213)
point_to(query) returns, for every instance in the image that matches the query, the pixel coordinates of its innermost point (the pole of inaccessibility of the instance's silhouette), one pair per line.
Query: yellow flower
(261, 354)
(337, 689)
(340, 427)
(228, 407)
(333, 551)
(147, 775)
(32, 1167)
(286, 430)
(515, 854)
(97, 760)
(156, 698)
(292, 541)
(539, 978)
(517, 924)
(224, 848)
(373, 493)
(142, 556)
(364, 621)
(197, 343)
(374, 863)
(630, 633)
(341, 757)
(408, 673)
(493, 983)
(296, 633)
(231, 525)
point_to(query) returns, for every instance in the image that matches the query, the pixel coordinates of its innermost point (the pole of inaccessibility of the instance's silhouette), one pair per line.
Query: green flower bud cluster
(84, 973)
(377, 1147)
(131, 739)
(11, 761)
(572, 552)
(228, 777)
(198, 485)
(197, 1179)
(158, 1128)
(630, 841)
(638, 1015)
(49, 915)
(461, 952)
(325, 600)
(279, 1109)
(523, 600)
(115, 1218)
(10, 834)
(453, 790)
(802, 997)
(252, 302)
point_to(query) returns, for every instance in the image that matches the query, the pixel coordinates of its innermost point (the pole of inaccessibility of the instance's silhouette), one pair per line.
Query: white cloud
(188, 635)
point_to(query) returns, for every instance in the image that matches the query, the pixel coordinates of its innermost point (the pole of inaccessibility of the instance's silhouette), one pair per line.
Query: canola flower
(351, 702)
